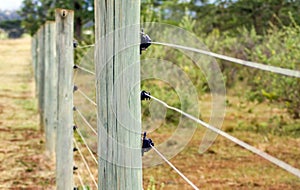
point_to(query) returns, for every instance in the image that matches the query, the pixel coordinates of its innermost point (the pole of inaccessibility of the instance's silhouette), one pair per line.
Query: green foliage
(279, 48)
(36, 12)
(12, 27)
(33, 16)
(187, 22)
(241, 29)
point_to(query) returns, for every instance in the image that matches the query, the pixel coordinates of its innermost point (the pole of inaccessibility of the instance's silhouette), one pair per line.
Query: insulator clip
(147, 144)
(75, 43)
(75, 127)
(75, 88)
(145, 41)
(145, 95)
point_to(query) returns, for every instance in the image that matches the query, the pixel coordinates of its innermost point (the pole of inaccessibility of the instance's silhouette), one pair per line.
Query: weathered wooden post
(118, 94)
(34, 46)
(64, 135)
(36, 62)
(50, 101)
(41, 75)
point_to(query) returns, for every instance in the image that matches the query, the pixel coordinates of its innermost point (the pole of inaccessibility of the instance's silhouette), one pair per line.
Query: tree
(37, 12)
(31, 14)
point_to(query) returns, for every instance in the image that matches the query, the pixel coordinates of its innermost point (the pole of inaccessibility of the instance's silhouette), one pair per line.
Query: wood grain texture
(34, 54)
(65, 61)
(41, 75)
(51, 79)
(118, 94)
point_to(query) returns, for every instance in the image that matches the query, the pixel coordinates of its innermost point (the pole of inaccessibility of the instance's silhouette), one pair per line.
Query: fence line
(270, 68)
(63, 105)
(256, 151)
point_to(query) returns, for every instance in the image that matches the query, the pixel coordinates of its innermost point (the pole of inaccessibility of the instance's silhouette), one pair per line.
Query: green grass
(28, 104)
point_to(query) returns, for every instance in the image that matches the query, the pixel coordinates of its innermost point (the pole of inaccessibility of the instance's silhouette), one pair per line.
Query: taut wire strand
(278, 70)
(85, 143)
(85, 163)
(87, 97)
(86, 70)
(86, 122)
(260, 153)
(172, 166)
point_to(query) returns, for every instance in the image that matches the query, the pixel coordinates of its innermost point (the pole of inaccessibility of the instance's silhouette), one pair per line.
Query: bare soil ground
(23, 164)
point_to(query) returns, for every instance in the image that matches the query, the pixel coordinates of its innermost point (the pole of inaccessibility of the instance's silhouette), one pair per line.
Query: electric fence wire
(87, 146)
(260, 153)
(172, 166)
(79, 177)
(87, 97)
(274, 69)
(278, 70)
(85, 163)
(87, 46)
(86, 121)
(85, 70)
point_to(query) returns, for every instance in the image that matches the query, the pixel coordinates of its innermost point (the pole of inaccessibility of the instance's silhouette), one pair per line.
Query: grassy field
(23, 164)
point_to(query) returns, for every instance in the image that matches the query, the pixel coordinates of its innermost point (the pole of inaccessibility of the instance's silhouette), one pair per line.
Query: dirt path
(23, 164)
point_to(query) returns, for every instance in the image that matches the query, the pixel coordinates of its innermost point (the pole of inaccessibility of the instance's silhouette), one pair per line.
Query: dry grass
(23, 164)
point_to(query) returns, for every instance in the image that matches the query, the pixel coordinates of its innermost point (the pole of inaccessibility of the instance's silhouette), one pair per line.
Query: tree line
(224, 15)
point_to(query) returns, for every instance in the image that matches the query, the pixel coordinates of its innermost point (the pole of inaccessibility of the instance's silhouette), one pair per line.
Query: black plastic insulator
(145, 95)
(76, 188)
(74, 108)
(75, 149)
(75, 168)
(147, 144)
(75, 44)
(75, 88)
(75, 127)
(145, 42)
(75, 67)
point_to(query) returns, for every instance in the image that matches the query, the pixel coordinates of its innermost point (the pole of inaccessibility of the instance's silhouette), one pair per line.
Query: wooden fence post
(34, 47)
(50, 94)
(118, 94)
(64, 136)
(36, 63)
(41, 75)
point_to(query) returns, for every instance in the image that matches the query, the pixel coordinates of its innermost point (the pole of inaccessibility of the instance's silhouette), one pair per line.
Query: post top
(63, 12)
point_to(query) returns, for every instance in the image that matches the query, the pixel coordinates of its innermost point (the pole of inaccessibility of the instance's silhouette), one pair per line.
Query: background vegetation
(10, 24)
(265, 31)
